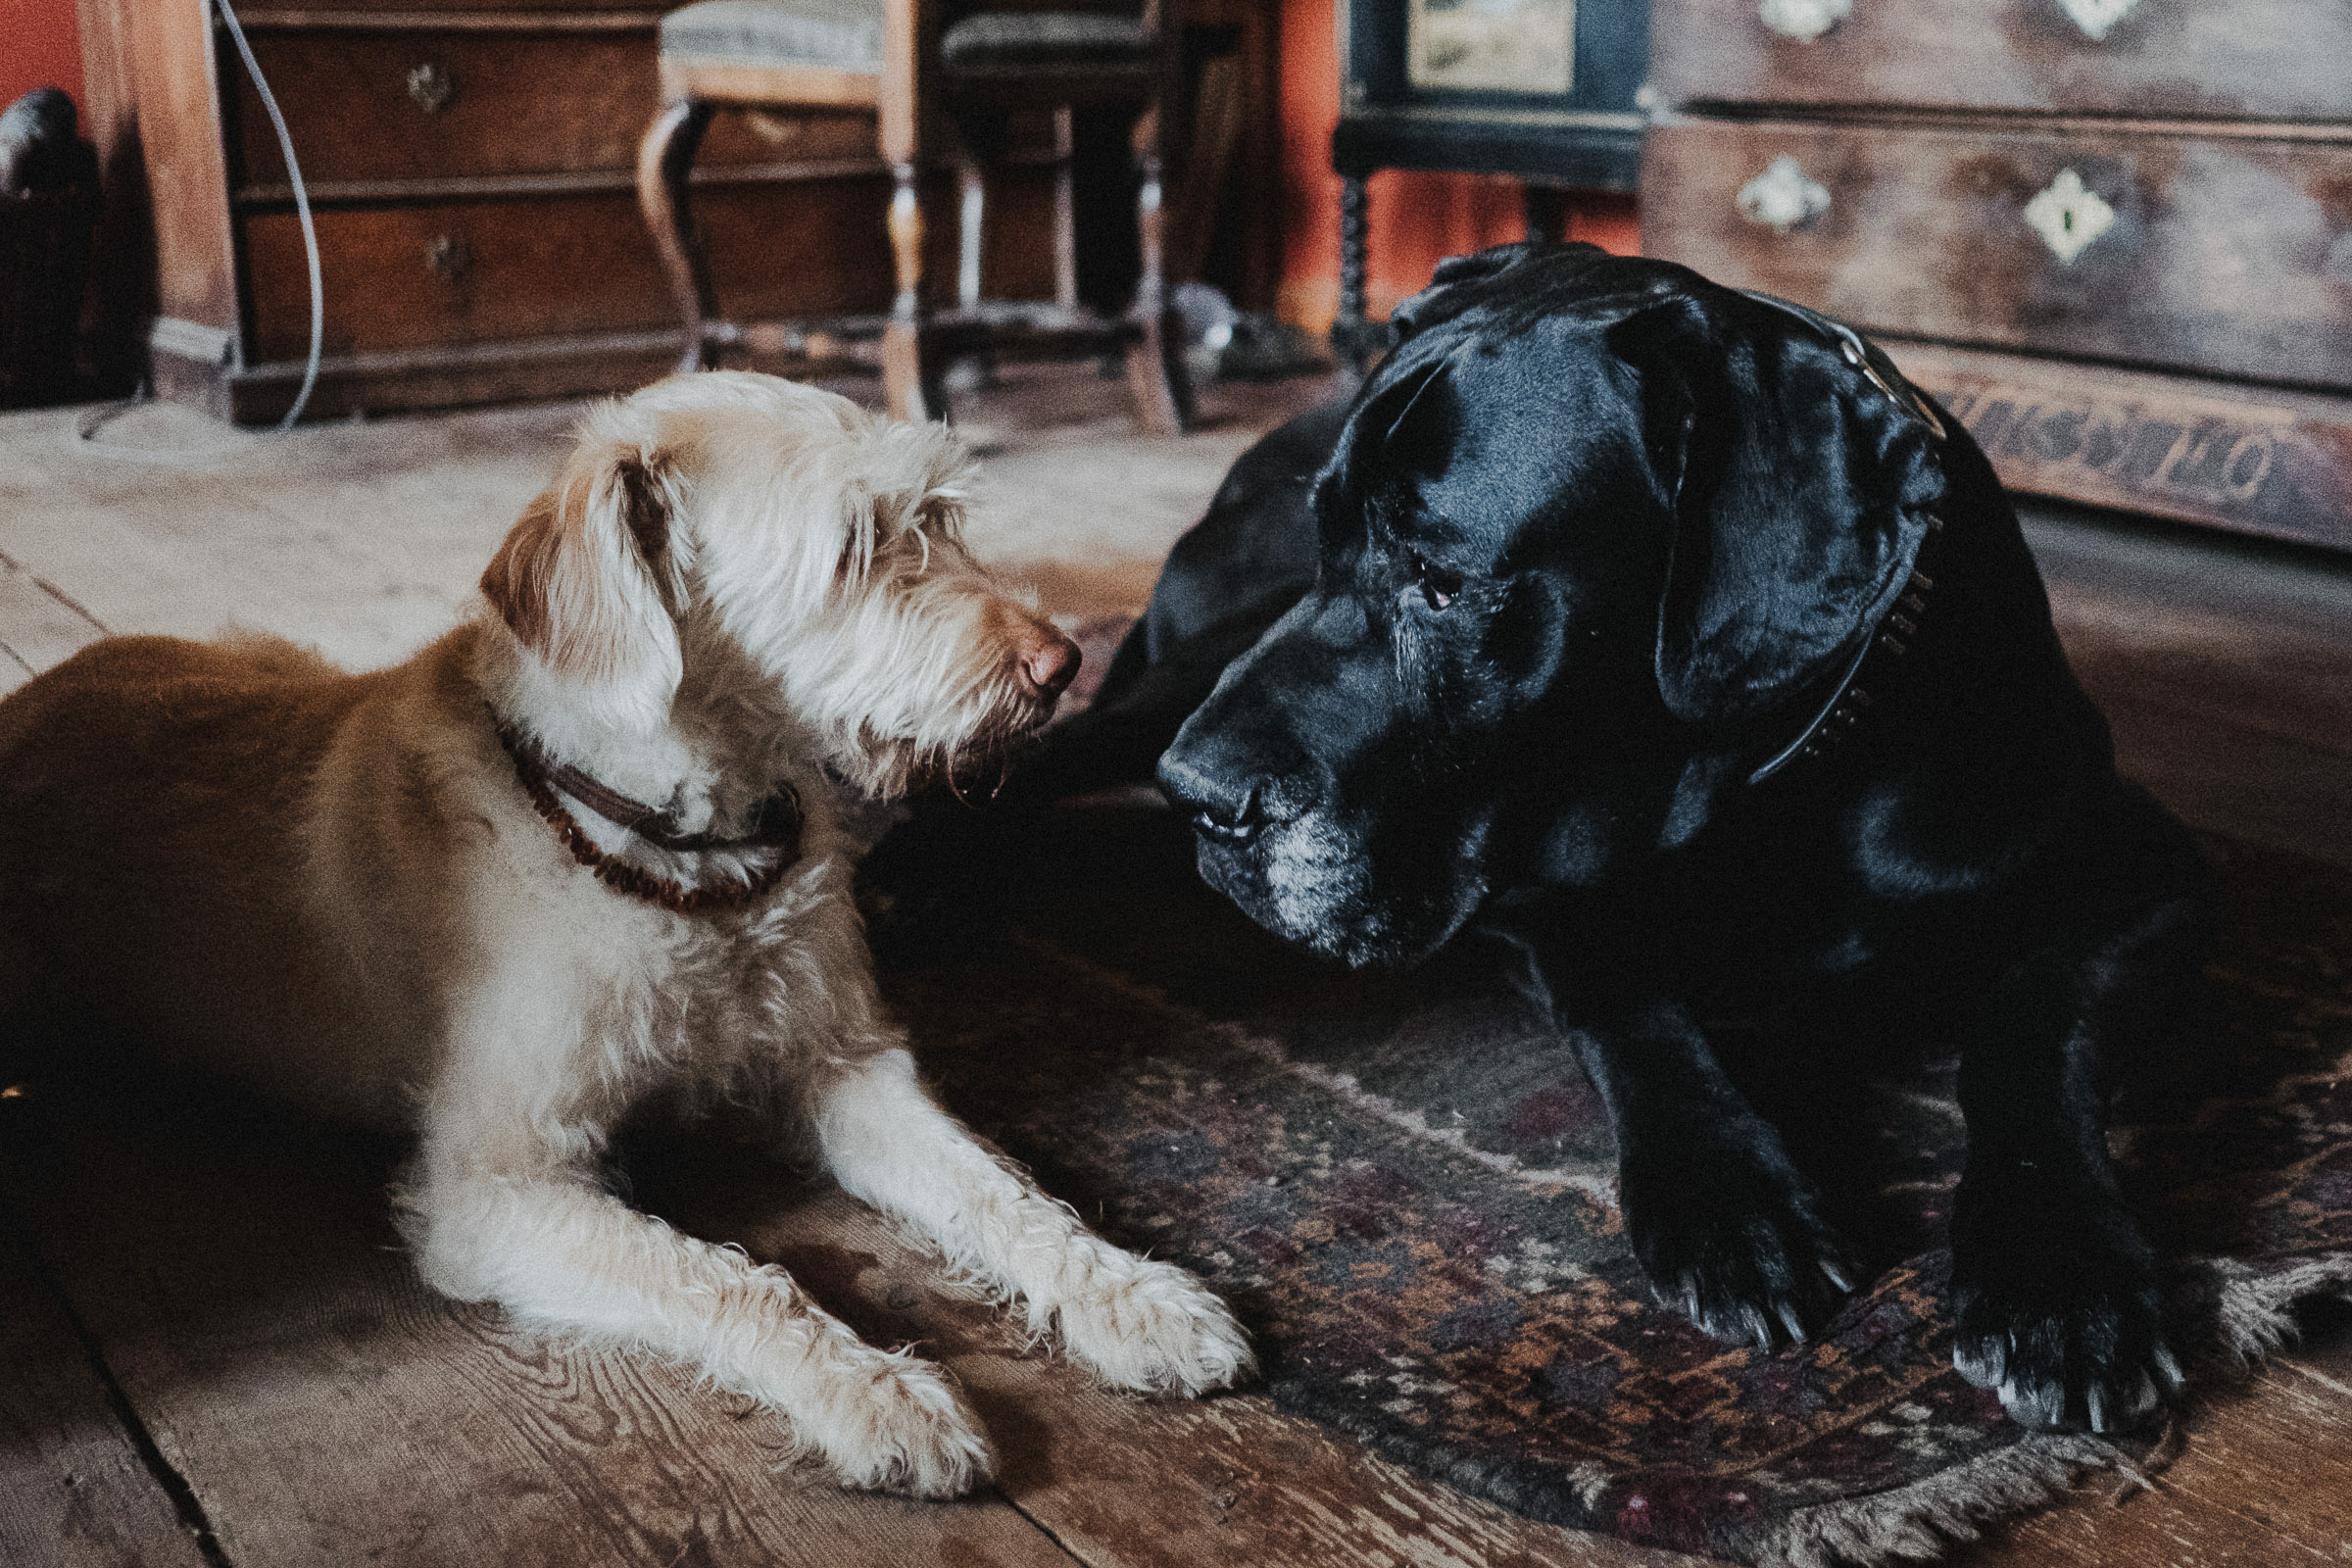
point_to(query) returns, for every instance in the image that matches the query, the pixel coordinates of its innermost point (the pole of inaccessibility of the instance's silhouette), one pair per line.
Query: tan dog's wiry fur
(337, 888)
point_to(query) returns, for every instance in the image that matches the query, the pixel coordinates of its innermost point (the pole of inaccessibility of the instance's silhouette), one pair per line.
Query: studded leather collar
(1851, 699)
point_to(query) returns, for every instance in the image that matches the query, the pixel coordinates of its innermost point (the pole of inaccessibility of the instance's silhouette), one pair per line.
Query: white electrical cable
(302, 209)
(86, 428)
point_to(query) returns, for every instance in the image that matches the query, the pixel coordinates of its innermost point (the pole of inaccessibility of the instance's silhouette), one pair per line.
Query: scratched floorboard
(319, 1406)
(75, 1491)
(244, 1288)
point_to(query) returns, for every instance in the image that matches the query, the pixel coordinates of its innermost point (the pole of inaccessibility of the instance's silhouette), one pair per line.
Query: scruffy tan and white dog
(582, 852)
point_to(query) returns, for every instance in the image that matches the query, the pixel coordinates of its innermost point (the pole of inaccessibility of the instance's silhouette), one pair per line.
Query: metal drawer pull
(2069, 216)
(431, 87)
(1783, 196)
(1807, 19)
(2095, 17)
(447, 258)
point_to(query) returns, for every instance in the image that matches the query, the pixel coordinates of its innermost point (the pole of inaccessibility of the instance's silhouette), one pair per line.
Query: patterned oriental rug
(1406, 1186)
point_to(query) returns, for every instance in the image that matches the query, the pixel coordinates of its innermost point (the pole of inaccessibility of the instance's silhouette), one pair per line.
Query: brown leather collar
(778, 827)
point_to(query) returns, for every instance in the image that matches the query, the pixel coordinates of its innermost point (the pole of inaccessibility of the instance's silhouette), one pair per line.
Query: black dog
(1666, 629)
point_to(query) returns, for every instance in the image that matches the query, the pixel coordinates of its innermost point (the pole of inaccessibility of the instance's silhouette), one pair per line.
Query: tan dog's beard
(922, 692)
(973, 771)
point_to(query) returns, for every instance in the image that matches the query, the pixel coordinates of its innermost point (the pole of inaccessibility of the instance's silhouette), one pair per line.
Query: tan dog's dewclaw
(431, 896)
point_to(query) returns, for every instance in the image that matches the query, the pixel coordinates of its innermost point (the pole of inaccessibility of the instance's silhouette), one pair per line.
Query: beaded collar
(778, 827)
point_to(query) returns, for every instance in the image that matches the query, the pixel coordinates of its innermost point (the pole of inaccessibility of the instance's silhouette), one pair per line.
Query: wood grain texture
(324, 1408)
(414, 124)
(457, 273)
(74, 1491)
(1126, 1483)
(503, 371)
(40, 627)
(2266, 1481)
(353, 116)
(2225, 670)
(1249, 245)
(452, 273)
(2194, 625)
(2251, 459)
(183, 167)
(2227, 256)
(2288, 59)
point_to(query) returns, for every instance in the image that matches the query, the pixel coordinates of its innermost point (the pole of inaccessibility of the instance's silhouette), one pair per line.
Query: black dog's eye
(1438, 587)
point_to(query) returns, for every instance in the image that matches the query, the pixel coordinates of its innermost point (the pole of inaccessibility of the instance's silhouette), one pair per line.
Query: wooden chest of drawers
(470, 165)
(2115, 235)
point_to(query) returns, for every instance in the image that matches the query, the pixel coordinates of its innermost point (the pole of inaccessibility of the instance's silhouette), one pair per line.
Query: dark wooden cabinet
(2116, 235)
(471, 168)
(471, 173)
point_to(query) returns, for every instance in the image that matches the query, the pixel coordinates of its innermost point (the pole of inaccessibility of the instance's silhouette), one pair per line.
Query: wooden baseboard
(517, 370)
(2248, 459)
(193, 366)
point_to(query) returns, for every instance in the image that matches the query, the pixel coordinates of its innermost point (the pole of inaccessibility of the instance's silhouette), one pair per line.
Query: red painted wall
(41, 46)
(1417, 218)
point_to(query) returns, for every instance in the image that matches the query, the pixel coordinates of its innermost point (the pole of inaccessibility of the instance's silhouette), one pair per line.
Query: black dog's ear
(1447, 294)
(1801, 492)
(1372, 429)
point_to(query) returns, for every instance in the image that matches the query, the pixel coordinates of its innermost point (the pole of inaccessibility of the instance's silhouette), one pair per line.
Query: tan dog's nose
(1048, 661)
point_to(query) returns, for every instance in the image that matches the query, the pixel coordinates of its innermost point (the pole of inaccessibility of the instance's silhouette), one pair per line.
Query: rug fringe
(2251, 1313)
(2254, 1312)
(1923, 1521)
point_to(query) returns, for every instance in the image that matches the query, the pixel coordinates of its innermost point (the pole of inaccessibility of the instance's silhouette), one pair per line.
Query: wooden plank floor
(212, 1353)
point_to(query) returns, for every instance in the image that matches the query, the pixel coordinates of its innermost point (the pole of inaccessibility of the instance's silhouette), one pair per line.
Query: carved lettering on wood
(2213, 460)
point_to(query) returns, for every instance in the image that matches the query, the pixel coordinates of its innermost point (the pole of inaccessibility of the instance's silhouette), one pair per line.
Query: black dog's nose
(1226, 810)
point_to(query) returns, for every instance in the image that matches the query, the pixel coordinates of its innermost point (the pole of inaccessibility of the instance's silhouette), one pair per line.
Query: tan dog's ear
(581, 577)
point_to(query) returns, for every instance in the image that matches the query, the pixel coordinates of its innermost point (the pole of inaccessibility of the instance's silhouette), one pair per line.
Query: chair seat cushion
(834, 34)
(1003, 40)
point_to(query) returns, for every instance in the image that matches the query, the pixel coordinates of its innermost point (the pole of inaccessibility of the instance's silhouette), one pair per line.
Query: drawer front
(2225, 256)
(2260, 59)
(471, 271)
(428, 103)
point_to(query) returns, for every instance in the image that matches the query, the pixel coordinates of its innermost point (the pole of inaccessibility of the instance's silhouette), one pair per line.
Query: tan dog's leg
(1136, 1323)
(561, 1255)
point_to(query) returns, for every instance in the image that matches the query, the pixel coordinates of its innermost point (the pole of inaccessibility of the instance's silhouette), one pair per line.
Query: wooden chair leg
(910, 367)
(663, 159)
(1351, 333)
(1546, 209)
(972, 213)
(1066, 207)
(1157, 376)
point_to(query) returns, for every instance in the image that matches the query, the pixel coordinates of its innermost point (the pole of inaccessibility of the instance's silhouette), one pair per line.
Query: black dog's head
(1588, 536)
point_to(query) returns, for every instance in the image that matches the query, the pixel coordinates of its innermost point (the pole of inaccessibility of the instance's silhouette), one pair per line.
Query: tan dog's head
(777, 546)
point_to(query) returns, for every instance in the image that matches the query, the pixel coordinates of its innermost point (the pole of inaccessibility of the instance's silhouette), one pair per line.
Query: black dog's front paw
(2054, 1293)
(1734, 1240)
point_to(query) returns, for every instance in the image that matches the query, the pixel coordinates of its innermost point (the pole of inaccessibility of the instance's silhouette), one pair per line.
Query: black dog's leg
(2053, 1286)
(1727, 1227)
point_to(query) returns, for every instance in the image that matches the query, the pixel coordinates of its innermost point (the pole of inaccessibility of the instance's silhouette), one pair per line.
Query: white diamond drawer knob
(1804, 19)
(2095, 17)
(1783, 196)
(2068, 216)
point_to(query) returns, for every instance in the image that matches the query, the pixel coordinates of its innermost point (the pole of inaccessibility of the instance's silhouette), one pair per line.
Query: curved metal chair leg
(663, 159)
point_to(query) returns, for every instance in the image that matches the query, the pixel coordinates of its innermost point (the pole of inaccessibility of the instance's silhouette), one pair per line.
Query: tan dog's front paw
(1158, 1330)
(898, 1424)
